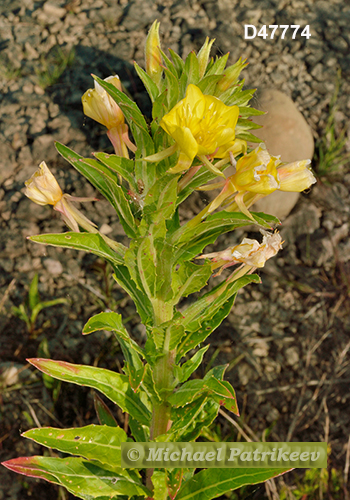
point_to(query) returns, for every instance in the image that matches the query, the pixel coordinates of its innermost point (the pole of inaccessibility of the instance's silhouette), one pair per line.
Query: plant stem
(163, 374)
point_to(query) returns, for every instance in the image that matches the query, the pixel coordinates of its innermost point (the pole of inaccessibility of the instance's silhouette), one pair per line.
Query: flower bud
(203, 56)
(42, 187)
(152, 53)
(231, 75)
(101, 107)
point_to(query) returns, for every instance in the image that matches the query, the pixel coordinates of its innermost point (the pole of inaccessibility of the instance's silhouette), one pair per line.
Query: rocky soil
(287, 341)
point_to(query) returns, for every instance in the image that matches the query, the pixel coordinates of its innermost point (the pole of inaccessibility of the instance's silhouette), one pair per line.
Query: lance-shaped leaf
(182, 373)
(200, 330)
(219, 223)
(141, 301)
(111, 322)
(138, 431)
(212, 483)
(113, 385)
(87, 242)
(96, 442)
(173, 481)
(207, 313)
(151, 87)
(104, 414)
(220, 390)
(123, 166)
(86, 480)
(189, 278)
(218, 67)
(188, 421)
(190, 73)
(106, 181)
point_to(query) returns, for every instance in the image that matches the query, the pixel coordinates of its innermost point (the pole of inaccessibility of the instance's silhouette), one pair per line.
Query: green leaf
(87, 242)
(113, 385)
(151, 87)
(33, 294)
(122, 166)
(160, 201)
(220, 390)
(190, 420)
(247, 111)
(140, 432)
(172, 89)
(208, 83)
(141, 301)
(218, 67)
(207, 312)
(212, 483)
(173, 481)
(104, 414)
(178, 61)
(96, 442)
(160, 486)
(111, 322)
(182, 373)
(82, 478)
(201, 331)
(190, 73)
(189, 278)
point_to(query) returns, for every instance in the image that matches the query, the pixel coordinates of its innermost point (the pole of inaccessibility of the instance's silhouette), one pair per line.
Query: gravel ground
(286, 340)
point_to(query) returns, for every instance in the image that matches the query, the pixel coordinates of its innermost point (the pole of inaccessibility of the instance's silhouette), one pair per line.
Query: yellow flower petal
(201, 125)
(42, 187)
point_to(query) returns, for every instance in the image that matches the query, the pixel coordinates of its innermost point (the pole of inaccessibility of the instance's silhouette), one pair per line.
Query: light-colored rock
(53, 266)
(286, 133)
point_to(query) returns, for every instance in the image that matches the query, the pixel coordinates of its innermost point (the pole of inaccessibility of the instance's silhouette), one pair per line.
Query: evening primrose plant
(199, 128)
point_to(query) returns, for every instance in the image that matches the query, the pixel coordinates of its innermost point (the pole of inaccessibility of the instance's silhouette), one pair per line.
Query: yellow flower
(42, 187)
(256, 172)
(99, 105)
(249, 253)
(296, 176)
(153, 56)
(202, 126)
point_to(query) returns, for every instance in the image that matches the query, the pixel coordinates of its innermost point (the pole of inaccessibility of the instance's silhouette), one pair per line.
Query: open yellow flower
(202, 126)
(101, 107)
(250, 253)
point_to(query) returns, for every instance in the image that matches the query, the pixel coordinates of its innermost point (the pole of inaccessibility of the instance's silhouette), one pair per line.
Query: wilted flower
(256, 172)
(296, 176)
(249, 253)
(101, 107)
(43, 189)
(202, 126)
(153, 56)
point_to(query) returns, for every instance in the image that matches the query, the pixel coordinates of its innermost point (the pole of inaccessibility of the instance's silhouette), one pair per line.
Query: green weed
(330, 152)
(53, 66)
(29, 311)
